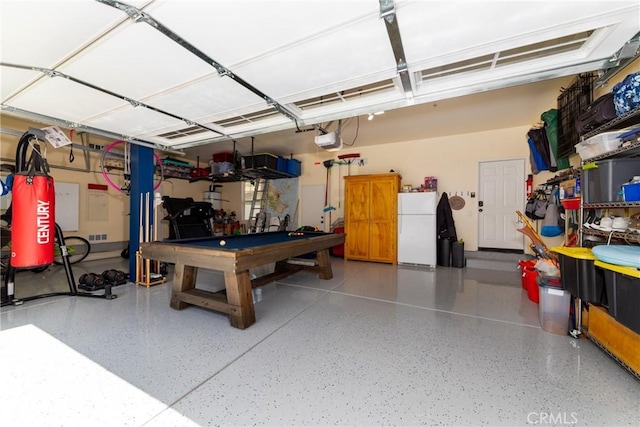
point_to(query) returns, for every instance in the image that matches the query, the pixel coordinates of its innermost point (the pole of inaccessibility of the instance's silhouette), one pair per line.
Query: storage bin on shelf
(555, 306)
(294, 167)
(623, 293)
(281, 164)
(578, 273)
(631, 190)
(600, 144)
(602, 180)
(571, 204)
(223, 157)
(221, 167)
(263, 160)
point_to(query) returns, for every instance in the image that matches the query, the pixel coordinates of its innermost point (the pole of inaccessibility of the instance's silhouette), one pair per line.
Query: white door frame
(519, 206)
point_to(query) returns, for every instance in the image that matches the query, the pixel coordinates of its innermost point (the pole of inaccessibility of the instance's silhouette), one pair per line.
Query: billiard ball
(222, 243)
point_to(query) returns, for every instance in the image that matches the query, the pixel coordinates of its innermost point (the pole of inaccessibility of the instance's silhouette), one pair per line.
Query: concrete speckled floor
(375, 345)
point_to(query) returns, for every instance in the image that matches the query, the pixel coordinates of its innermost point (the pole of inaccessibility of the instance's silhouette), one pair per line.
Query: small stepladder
(258, 216)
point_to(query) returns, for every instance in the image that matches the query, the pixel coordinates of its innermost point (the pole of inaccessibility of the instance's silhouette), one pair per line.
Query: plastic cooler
(623, 293)
(554, 307)
(578, 273)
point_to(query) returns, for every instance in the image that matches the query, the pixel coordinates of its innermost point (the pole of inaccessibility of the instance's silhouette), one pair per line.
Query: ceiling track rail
(134, 103)
(619, 61)
(96, 131)
(388, 13)
(138, 15)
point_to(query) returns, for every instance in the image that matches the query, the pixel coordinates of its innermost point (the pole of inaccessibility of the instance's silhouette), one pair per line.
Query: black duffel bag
(597, 113)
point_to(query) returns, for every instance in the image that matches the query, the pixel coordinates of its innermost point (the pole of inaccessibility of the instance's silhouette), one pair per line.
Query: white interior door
(312, 206)
(501, 194)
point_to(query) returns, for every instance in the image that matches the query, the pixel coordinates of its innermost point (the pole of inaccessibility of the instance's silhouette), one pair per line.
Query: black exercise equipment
(92, 281)
(115, 277)
(188, 218)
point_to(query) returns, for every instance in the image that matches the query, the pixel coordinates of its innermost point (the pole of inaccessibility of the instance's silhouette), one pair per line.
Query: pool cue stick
(146, 216)
(295, 216)
(138, 253)
(154, 237)
(147, 263)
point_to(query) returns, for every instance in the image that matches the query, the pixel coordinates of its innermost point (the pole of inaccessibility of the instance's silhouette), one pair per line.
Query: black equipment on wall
(573, 101)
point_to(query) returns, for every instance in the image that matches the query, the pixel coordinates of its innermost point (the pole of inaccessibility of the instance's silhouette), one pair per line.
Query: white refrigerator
(417, 228)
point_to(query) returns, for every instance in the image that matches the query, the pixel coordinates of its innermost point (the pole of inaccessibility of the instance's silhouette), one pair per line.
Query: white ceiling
(187, 73)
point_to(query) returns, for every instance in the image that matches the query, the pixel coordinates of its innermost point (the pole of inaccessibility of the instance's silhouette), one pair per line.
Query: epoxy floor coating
(376, 345)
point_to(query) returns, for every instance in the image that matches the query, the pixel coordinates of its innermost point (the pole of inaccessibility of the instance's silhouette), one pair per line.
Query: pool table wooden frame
(236, 300)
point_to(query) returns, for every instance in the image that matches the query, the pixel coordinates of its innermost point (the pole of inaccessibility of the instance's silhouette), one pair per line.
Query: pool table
(235, 255)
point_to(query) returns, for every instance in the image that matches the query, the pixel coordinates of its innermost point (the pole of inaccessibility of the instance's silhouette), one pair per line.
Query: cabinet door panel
(383, 199)
(357, 240)
(357, 201)
(382, 246)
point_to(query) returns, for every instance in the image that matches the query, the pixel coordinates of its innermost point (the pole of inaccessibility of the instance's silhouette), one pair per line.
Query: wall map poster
(282, 198)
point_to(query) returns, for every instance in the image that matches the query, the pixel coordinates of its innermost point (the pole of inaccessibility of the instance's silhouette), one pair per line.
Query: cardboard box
(570, 189)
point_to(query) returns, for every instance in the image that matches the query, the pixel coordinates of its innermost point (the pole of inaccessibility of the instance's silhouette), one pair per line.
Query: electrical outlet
(362, 162)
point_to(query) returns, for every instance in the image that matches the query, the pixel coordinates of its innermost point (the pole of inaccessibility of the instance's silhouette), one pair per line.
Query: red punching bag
(33, 218)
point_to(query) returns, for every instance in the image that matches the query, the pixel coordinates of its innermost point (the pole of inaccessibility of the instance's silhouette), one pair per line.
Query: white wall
(116, 225)
(456, 169)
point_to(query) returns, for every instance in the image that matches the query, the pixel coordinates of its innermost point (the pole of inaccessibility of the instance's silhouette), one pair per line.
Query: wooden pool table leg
(324, 264)
(242, 313)
(184, 279)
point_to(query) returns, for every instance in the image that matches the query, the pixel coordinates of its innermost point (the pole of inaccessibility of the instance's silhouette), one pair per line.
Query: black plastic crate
(623, 292)
(579, 275)
(268, 161)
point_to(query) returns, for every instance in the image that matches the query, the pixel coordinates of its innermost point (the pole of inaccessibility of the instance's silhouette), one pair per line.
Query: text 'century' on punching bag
(33, 219)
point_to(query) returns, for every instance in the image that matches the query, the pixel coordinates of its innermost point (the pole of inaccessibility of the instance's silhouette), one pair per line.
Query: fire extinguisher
(529, 186)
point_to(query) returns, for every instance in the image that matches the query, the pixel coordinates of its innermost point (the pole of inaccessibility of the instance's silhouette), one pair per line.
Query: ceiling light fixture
(377, 113)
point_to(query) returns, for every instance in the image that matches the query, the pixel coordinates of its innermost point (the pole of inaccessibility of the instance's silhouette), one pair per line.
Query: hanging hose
(127, 167)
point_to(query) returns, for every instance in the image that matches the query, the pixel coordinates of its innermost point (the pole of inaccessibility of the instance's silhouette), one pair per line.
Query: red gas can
(338, 250)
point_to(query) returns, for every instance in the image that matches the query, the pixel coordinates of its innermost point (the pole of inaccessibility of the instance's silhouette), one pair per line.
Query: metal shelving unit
(629, 149)
(626, 120)
(630, 237)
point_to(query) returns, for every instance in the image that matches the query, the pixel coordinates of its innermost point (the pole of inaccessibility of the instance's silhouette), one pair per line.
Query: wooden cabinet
(371, 217)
